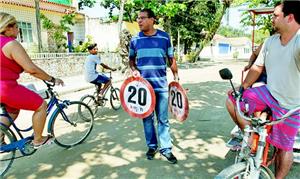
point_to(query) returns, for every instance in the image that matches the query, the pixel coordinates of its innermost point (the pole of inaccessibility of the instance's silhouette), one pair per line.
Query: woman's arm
(18, 53)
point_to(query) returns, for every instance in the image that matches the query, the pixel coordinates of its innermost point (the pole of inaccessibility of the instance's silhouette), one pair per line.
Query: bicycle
(67, 128)
(253, 158)
(94, 101)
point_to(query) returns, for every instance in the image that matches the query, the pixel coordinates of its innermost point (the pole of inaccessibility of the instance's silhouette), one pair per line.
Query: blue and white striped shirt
(150, 53)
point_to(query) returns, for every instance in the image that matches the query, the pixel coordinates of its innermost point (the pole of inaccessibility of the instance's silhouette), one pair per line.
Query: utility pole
(120, 20)
(38, 24)
(178, 44)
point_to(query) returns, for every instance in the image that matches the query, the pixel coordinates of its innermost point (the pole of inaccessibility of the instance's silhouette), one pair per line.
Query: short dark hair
(292, 7)
(149, 12)
(90, 47)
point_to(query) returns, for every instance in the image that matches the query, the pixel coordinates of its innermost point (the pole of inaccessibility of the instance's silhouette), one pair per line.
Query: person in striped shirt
(150, 52)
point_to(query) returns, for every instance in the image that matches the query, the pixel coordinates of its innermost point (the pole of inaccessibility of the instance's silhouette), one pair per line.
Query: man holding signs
(148, 53)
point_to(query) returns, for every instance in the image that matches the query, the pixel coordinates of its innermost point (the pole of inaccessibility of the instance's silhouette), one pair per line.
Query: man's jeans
(163, 126)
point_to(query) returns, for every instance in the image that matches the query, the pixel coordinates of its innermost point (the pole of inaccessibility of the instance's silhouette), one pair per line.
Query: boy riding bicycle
(90, 72)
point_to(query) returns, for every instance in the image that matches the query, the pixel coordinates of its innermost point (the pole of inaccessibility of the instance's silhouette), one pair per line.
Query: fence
(67, 64)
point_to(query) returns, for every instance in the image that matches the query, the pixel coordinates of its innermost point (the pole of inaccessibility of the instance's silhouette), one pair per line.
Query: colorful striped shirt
(150, 53)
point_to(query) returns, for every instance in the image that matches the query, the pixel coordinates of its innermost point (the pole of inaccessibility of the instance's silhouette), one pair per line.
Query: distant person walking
(148, 55)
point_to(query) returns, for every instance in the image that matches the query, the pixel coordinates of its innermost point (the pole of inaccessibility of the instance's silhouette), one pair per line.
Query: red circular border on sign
(152, 93)
(186, 109)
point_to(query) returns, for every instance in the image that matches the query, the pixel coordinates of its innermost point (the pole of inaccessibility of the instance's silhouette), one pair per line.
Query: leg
(234, 115)
(149, 131)
(163, 127)
(6, 122)
(150, 136)
(13, 115)
(283, 163)
(38, 122)
(105, 87)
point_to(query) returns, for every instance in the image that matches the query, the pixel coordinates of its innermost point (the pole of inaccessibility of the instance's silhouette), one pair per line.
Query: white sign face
(178, 103)
(137, 97)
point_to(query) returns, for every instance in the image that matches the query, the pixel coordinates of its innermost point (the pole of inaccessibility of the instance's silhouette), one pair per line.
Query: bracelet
(52, 80)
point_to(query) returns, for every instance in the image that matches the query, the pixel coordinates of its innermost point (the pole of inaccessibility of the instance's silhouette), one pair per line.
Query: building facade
(24, 11)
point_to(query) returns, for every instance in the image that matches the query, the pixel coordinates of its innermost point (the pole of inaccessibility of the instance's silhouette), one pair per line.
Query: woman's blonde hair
(6, 20)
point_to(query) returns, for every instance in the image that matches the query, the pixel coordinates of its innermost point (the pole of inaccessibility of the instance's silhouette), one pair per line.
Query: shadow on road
(116, 146)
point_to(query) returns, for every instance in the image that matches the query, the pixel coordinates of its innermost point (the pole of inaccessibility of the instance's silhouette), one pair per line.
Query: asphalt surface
(116, 147)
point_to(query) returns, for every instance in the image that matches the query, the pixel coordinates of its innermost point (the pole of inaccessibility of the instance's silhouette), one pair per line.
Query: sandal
(46, 141)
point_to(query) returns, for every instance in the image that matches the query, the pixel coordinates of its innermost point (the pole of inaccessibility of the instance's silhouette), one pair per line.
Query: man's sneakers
(234, 143)
(170, 157)
(151, 153)
(237, 137)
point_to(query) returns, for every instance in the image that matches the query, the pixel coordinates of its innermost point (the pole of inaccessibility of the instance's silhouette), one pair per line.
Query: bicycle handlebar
(49, 84)
(268, 122)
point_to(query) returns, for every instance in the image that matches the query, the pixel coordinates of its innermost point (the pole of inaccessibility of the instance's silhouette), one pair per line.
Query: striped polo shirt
(151, 53)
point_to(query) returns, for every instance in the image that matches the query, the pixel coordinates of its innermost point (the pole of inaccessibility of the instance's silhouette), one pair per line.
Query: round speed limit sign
(137, 97)
(178, 102)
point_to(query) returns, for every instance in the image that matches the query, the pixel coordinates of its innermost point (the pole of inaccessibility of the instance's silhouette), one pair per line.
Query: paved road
(116, 149)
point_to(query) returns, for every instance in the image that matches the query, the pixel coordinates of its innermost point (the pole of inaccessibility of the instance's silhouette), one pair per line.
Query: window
(25, 34)
(246, 50)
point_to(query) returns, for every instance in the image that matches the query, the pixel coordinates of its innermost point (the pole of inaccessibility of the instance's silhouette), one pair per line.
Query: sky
(233, 21)
(96, 11)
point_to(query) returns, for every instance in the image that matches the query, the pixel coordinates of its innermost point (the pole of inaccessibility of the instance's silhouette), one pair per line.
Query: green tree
(83, 47)
(262, 22)
(196, 21)
(57, 40)
(232, 32)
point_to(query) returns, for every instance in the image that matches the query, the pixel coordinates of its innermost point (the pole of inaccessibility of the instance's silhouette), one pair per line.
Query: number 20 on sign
(137, 97)
(178, 102)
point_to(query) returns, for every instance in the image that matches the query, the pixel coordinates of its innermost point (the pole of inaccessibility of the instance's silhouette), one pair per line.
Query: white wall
(104, 34)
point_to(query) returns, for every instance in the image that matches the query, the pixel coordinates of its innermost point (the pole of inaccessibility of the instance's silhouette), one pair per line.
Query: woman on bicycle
(15, 60)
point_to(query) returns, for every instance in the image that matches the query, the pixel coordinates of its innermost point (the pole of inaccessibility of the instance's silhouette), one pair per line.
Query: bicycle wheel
(115, 98)
(91, 102)
(239, 170)
(6, 156)
(71, 127)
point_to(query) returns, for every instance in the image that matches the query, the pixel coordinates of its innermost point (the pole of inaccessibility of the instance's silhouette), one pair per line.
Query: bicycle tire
(67, 134)
(91, 102)
(6, 158)
(238, 171)
(115, 98)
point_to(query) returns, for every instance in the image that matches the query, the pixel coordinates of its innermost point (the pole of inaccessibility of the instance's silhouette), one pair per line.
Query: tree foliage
(232, 32)
(57, 40)
(262, 22)
(195, 21)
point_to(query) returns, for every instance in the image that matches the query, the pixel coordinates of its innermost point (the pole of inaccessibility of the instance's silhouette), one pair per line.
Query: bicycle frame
(19, 144)
(107, 88)
(254, 157)
(256, 154)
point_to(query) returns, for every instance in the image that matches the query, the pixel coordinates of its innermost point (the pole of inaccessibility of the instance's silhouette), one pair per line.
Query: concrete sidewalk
(73, 83)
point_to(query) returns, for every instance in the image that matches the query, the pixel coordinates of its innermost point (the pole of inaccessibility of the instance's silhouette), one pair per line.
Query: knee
(43, 107)
(229, 105)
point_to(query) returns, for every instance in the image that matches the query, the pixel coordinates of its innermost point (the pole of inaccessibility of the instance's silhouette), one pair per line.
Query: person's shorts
(283, 134)
(16, 97)
(262, 78)
(100, 79)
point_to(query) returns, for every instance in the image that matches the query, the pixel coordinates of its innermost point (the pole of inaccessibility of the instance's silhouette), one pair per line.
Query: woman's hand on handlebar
(59, 82)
